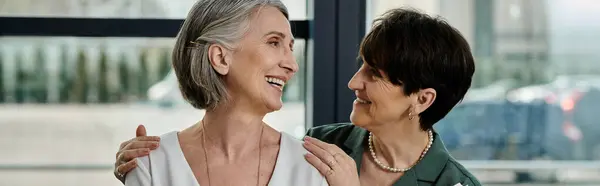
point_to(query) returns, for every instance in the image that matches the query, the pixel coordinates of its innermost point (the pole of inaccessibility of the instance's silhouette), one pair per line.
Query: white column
(427, 6)
(461, 15)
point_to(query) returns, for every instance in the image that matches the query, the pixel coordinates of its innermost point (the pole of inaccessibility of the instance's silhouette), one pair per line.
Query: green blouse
(436, 168)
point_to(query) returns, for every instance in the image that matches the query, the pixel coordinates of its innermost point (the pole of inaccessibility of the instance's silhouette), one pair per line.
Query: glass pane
(71, 101)
(537, 82)
(117, 9)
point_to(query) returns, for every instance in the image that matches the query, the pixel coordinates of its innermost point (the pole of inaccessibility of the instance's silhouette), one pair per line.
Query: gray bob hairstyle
(222, 22)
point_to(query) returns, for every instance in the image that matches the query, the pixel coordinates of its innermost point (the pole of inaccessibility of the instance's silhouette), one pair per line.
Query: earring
(410, 114)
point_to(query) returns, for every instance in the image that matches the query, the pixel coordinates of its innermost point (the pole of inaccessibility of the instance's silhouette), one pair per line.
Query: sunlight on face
(263, 61)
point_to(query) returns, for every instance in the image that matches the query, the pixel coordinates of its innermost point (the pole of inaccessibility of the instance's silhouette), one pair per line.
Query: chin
(274, 105)
(359, 119)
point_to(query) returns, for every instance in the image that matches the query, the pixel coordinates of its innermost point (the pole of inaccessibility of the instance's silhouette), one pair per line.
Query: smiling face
(378, 100)
(262, 61)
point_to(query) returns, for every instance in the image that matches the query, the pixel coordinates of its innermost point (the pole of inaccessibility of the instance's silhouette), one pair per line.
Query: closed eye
(373, 72)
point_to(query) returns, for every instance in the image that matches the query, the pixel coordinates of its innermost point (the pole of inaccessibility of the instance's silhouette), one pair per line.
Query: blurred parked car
(549, 121)
(493, 91)
(166, 92)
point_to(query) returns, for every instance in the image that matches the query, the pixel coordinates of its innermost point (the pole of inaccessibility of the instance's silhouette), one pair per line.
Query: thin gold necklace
(262, 129)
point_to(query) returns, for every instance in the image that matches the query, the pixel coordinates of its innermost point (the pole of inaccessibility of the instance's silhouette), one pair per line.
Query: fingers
(345, 161)
(320, 153)
(340, 157)
(146, 138)
(332, 149)
(323, 168)
(141, 144)
(129, 155)
(151, 142)
(125, 143)
(139, 138)
(125, 168)
(136, 149)
(140, 131)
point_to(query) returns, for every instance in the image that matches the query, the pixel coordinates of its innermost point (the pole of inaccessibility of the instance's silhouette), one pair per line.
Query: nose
(356, 82)
(289, 63)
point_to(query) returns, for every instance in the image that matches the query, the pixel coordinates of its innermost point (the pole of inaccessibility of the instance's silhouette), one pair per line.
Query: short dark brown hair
(418, 51)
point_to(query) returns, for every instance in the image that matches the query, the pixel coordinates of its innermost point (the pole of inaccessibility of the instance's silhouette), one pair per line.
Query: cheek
(389, 103)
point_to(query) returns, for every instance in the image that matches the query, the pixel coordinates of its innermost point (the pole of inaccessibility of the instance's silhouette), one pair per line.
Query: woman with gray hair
(231, 58)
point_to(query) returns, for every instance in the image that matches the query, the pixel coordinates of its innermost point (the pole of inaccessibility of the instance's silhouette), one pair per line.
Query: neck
(399, 145)
(233, 130)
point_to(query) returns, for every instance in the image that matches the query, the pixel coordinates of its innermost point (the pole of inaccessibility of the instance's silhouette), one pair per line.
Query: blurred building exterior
(536, 85)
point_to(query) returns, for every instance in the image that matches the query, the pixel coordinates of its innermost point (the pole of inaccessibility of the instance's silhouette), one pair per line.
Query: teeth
(362, 101)
(275, 80)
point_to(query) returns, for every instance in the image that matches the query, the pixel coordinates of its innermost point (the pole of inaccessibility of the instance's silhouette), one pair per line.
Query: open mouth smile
(276, 82)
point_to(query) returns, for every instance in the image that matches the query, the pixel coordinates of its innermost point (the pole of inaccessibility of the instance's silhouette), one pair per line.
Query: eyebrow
(280, 34)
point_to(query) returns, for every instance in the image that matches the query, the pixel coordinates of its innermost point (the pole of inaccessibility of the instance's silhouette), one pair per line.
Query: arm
(132, 149)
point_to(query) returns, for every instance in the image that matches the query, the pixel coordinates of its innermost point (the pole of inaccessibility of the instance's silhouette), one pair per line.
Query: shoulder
(332, 133)
(454, 173)
(294, 167)
(155, 167)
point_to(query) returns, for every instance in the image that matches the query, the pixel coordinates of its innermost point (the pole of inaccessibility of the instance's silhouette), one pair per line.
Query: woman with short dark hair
(416, 69)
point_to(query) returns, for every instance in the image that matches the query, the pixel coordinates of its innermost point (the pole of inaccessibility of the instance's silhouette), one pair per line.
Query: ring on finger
(331, 163)
(329, 172)
(336, 155)
(119, 174)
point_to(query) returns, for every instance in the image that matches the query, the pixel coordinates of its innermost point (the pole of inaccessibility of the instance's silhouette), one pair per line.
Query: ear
(425, 98)
(217, 56)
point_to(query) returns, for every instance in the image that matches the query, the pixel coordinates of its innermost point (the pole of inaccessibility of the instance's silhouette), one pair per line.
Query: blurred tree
(65, 81)
(103, 92)
(2, 89)
(123, 78)
(479, 75)
(21, 79)
(498, 71)
(143, 75)
(40, 89)
(517, 75)
(165, 64)
(538, 73)
(80, 87)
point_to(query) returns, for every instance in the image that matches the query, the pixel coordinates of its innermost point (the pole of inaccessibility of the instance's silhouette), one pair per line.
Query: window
(67, 102)
(535, 81)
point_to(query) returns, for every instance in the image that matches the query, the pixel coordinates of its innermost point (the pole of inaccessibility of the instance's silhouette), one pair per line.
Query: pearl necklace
(396, 170)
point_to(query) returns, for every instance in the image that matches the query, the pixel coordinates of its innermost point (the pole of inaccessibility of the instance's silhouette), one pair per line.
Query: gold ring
(332, 162)
(330, 172)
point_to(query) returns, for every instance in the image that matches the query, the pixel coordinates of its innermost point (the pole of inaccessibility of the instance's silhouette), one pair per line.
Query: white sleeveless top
(167, 166)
